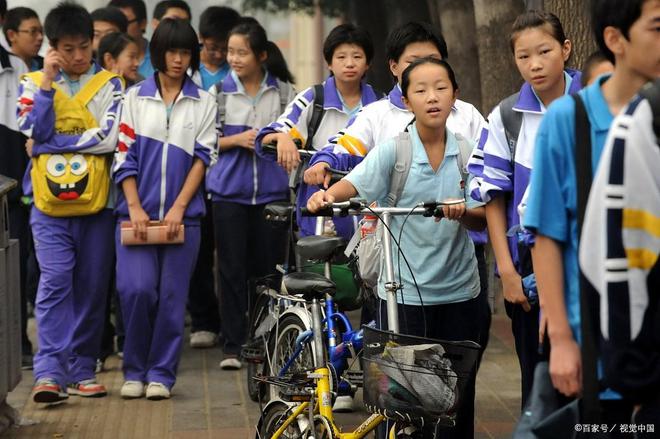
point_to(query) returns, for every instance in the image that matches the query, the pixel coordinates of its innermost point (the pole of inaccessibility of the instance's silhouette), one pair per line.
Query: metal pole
(319, 360)
(390, 284)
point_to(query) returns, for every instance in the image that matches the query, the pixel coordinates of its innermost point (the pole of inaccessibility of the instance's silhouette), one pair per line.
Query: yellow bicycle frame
(324, 408)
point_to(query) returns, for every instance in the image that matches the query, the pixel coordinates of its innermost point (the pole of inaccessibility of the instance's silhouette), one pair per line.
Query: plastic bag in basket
(423, 371)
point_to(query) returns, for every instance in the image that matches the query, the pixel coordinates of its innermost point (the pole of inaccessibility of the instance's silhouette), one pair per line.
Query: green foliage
(330, 8)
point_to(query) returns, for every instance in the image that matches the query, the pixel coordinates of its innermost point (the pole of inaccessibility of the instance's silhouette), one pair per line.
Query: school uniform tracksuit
(153, 280)
(296, 120)
(499, 174)
(74, 253)
(241, 184)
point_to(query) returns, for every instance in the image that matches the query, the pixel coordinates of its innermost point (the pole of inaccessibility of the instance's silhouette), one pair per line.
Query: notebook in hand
(156, 234)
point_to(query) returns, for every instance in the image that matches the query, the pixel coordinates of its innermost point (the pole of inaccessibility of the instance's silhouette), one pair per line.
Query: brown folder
(156, 234)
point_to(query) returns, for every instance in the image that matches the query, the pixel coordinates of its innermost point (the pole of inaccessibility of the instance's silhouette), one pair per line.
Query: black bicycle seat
(320, 248)
(279, 211)
(308, 285)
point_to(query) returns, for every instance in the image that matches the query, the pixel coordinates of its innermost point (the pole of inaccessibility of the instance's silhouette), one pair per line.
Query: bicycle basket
(414, 379)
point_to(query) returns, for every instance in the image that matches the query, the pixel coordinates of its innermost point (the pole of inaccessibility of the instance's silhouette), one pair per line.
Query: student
(386, 118)
(623, 266)
(540, 50)
(13, 162)
(214, 25)
(152, 280)
(348, 51)
(25, 35)
(594, 66)
(107, 20)
(241, 183)
(136, 15)
(72, 138)
(118, 53)
(170, 9)
(626, 32)
(450, 285)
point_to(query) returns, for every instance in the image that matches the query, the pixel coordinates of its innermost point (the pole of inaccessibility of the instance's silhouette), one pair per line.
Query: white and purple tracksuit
(74, 253)
(153, 280)
(241, 184)
(296, 119)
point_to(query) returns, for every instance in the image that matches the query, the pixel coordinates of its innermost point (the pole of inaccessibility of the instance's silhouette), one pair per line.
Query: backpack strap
(94, 85)
(221, 102)
(465, 148)
(317, 115)
(399, 174)
(283, 89)
(589, 303)
(512, 121)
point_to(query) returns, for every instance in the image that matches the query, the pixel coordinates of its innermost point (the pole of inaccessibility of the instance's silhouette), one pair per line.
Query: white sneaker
(157, 391)
(132, 390)
(344, 404)
(230, 363)
(203, 339)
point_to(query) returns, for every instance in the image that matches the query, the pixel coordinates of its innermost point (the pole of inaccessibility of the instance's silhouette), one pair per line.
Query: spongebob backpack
(72, 184)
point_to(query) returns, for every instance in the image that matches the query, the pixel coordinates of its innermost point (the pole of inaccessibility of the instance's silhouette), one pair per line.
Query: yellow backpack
(72, 184)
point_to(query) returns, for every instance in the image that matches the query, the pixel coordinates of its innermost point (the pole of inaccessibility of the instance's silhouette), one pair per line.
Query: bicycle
(269, 305)
(311, 391)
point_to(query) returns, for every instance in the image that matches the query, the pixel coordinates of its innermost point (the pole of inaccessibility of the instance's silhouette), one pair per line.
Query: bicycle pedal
(252, 354)
(294, 395)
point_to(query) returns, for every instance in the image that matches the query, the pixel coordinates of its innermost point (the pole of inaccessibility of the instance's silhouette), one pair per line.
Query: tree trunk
(380, 17)
(499, 75)
(456, 19)
(575, 17)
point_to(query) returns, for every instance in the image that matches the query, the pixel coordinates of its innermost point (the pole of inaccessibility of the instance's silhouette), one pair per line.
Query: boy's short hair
(3, 8)
(137, 6)
(592, 61)
(348, 33)
(111, 14)
(68, 19)
(161, 8)
(15, 16)
(172, 34)
(414, 32)
(216, 22)
(620, 14)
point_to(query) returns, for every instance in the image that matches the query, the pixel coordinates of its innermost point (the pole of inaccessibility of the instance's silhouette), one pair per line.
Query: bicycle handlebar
(306, 155)
(357, 206)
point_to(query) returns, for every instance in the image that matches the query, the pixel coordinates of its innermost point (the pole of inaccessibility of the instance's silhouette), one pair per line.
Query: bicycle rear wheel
(274, 416)
(257, 391)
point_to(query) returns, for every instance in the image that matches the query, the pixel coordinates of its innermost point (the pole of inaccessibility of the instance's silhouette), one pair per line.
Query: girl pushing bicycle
(441, 256)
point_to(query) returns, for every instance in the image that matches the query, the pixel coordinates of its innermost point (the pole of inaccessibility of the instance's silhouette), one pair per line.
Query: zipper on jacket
(255, 178)
(163, 168)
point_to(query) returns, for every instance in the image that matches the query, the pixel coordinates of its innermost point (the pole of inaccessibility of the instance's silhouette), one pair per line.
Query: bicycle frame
(324, 408)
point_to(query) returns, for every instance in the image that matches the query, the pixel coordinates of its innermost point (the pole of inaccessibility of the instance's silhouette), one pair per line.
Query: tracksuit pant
(152, 283)
(248, 246)
(74, 255)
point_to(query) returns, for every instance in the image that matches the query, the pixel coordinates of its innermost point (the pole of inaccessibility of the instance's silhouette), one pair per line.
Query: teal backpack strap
(512, 121)
(399, 175)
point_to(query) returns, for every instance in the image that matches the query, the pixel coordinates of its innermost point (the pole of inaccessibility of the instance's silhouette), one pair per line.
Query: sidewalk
(209, 403)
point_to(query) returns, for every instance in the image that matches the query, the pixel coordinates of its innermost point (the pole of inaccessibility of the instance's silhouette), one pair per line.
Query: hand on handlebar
(318, 174)
(319, 200)
(452, 211)
(288, 156)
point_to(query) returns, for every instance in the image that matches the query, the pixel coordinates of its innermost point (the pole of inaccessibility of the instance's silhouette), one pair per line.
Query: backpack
(512, 121)
(369, 247)
(72, 184)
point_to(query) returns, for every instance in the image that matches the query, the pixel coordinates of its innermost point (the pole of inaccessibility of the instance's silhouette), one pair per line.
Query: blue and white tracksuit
(153, 280)
(241, 184)
(296, 119)
(74, 253)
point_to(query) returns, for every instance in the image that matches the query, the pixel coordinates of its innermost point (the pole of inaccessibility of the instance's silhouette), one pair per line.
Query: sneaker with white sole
(203, 339)
(230, 363)
(343, 404)
(87, 388)
(157, 391)
(132, 390)
(47, 391)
